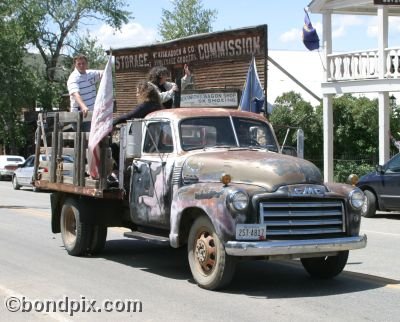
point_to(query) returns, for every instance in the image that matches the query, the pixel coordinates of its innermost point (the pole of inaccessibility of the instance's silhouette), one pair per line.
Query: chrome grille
(300, 218)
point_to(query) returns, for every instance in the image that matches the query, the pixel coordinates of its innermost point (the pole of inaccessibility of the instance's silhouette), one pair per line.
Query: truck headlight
(238, 200)
(357, 198)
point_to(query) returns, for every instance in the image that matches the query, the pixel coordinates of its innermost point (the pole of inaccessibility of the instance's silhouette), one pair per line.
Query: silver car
(22, 176)
(8, 164)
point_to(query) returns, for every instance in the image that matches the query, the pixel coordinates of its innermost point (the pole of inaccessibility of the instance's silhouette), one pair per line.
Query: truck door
(150, 198)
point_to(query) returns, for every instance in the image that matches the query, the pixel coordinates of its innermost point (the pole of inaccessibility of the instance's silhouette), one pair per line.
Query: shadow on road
(387, 215)
(267, 279)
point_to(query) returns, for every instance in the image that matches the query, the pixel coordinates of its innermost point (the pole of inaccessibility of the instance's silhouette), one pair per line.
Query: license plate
(250, 232)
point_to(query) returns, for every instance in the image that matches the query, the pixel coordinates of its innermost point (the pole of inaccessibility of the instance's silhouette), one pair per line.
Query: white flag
(101, 120)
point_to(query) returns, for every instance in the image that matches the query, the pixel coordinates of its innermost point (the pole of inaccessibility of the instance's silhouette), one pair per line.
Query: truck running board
(147, 237)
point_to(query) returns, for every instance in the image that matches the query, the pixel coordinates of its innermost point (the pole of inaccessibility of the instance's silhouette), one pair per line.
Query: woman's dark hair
(147, 92)
(156, 73)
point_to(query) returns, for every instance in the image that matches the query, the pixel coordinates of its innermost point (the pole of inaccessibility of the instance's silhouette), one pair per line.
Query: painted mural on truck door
(150, 185)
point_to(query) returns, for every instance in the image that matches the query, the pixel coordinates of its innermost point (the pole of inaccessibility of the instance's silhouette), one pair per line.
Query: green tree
(355, 126)
(291, 111)
(52, 25)
(186, 18)
(17, 87)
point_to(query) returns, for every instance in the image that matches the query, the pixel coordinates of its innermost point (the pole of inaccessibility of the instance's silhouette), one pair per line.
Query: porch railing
(359, 65)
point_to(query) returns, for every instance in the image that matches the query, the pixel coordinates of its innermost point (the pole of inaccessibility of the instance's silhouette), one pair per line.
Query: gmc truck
(209, 179)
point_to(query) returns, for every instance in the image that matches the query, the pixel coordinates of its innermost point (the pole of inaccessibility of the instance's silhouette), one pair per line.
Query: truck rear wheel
(326, 267)
(74, 233)
(211, 267)
(98, 240)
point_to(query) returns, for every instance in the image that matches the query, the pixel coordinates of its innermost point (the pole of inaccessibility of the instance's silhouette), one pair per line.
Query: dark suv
(382, 188)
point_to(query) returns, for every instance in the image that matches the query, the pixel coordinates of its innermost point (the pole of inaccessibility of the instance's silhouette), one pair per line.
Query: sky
(285, 19)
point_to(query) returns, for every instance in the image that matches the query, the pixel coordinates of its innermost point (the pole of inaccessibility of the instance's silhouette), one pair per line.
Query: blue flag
(253, 98)
(310, 36)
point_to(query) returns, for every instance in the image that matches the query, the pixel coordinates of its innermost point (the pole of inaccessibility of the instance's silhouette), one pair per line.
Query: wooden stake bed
(60, 134)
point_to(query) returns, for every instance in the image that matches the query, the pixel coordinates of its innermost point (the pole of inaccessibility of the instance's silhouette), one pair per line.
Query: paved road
(34, 265)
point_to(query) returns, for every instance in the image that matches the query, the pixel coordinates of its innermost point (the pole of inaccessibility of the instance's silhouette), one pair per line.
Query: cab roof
(183, 113)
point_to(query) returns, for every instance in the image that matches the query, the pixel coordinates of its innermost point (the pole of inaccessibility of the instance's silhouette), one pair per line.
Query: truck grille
(291, 219)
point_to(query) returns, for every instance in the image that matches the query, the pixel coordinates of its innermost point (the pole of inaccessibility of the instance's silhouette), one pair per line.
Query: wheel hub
(205, 252)
(201, 251)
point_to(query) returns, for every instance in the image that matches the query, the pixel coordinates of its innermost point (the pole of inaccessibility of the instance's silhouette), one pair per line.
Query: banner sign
(228, 45)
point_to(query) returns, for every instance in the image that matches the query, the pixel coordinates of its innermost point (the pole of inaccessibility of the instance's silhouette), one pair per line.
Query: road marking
(380, 232)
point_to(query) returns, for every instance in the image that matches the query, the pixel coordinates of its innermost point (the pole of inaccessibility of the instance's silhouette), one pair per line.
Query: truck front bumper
(294, 247)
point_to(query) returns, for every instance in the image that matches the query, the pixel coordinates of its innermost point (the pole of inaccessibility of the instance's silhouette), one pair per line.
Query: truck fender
(197, 199)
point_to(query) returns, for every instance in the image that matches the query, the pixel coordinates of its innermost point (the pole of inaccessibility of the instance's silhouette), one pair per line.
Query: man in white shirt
(82, 85)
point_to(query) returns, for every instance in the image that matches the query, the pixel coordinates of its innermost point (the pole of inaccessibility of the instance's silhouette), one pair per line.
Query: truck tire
(98, 239)
(15, 184)
(326, 267)
(211, 267)
(368, 209)
(74, 233)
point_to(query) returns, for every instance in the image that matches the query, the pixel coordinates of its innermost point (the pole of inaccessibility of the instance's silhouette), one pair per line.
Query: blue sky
(284, 18)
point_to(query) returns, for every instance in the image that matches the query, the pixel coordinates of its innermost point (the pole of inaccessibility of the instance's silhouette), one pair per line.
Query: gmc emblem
(308, 191)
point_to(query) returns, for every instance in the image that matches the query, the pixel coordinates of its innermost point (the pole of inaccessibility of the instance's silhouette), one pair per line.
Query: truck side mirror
(131, 139)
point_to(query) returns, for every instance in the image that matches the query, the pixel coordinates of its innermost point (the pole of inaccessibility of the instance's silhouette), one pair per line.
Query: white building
(305, 66)
(363, 71)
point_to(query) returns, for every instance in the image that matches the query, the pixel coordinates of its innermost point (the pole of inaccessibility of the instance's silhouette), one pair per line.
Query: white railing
(392, 62)
(363, 64)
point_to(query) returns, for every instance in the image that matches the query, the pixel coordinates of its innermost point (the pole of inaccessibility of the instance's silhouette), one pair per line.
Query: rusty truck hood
(266, 169)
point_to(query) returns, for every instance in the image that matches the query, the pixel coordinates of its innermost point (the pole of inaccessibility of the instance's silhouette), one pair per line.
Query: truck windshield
(198, 133)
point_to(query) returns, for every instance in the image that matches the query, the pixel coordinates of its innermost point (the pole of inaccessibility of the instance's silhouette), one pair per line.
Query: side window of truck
(158, 138)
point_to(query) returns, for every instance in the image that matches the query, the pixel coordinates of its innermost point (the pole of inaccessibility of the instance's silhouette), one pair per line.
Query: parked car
(8, 164)
(22, 176)
(381, 188)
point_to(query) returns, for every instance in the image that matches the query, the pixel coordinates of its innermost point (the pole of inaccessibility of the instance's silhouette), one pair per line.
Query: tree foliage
(292, 112)
(186, 18)
(355, 126)
(355, 130)
(51, 25)
(17, 86)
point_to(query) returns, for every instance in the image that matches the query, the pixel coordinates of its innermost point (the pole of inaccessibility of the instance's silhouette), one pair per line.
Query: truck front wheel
(74, 233)
(211, 267)
(326, 267)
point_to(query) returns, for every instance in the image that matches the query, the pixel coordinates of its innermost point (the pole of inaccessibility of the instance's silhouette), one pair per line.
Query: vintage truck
(210, 179)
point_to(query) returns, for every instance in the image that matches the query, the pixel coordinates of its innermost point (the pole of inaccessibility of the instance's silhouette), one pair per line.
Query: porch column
(383, 97)
(327, 121)
(328, 137)
(384, 127)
